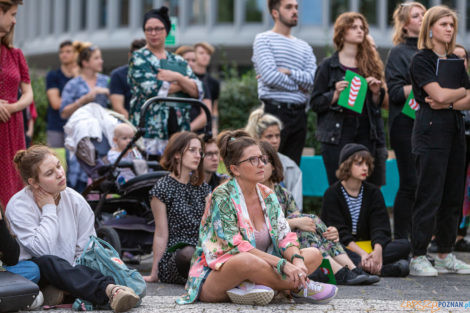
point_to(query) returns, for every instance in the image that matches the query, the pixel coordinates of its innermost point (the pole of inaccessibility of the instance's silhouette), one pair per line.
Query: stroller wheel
(111, 236)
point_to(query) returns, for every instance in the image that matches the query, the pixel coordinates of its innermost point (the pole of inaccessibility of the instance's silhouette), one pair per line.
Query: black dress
(185, 204)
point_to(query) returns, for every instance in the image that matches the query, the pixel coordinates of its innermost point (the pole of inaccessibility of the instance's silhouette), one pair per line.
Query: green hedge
(40, 101)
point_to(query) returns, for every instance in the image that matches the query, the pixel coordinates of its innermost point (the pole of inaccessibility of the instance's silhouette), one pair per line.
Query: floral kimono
(142, 77)
(226, 230)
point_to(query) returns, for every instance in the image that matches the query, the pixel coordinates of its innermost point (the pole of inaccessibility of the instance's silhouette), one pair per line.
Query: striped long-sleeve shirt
(272, 51)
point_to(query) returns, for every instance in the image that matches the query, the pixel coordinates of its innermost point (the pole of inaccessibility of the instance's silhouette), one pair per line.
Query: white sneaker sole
(310, 300)
(252, 297)
(424, 274)
(446, 271)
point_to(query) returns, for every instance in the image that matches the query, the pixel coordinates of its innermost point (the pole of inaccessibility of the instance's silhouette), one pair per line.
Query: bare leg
(344, 260)
(246, 266)
(335, 266)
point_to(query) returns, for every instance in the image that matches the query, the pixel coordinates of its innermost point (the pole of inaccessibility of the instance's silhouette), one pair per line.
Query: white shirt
(62, 230)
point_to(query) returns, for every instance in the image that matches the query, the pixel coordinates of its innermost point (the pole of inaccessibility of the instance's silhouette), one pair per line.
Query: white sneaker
(450, 264)
(251, 294)
(421, 266)
(37, 303)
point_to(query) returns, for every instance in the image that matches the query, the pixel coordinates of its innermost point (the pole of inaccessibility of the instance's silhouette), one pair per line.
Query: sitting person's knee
(248, 262)
(312, 258)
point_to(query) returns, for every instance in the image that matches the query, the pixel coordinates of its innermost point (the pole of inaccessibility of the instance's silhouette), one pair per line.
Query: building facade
(230, 25)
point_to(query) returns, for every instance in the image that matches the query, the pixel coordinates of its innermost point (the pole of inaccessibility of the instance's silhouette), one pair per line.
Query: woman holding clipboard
(338, 126)
(441, 88)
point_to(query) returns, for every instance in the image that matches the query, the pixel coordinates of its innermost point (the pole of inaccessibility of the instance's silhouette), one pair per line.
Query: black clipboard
(449, 73)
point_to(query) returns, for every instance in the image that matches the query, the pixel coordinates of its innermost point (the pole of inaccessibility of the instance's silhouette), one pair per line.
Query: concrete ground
(410, 294)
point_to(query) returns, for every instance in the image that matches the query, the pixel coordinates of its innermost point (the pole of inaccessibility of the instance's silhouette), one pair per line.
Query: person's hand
(42, 197)
(305, 224)
(300, 264)
(284, 71)
(366, 263)
(151, 278)
(436, 105)
(376, 262)
(331, 234)
(89, 97)
(101, 90)
(4, 112)
(168, 75)
(340, 86)
(374, 84)
(174, 88)
(296, 274)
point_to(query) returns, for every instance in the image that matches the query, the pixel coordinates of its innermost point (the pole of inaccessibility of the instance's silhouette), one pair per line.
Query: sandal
(122, 298)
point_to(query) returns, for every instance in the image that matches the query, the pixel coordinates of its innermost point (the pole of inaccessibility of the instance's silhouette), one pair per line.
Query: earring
(430, 34)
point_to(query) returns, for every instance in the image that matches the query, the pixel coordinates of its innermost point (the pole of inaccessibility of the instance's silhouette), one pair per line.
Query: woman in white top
(267, 127)
(52, 224)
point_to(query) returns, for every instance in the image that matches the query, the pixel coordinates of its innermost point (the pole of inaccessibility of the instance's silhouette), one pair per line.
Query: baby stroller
(125, 219)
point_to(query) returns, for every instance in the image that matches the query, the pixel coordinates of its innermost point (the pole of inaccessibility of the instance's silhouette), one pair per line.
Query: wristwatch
(451, 106)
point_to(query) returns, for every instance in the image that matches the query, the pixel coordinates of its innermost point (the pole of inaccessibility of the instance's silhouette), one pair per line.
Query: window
(391, 6)
(254, 11)
(102, 13)
(50, 29)
(337, 7)
(173, 7)
(311, 12)
(225, 11)
(197, 11)
(147, 5)
(124, 13)
(67, 16)
(369, 9)
(83, 14)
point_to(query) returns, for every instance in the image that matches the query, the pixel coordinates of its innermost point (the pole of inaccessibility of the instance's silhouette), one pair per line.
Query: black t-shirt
(212, 84)
(118, 84)
(195, 111)
(423, 71)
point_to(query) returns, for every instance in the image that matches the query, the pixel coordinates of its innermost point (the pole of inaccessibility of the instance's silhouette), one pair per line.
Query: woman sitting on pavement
(53, 224)
(357, 209)
(264, 126)
(246, 249)
(178, 201)
(310, 229)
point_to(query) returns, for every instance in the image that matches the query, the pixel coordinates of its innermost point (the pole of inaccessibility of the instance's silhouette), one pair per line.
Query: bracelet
(298, 256)
(280, 267)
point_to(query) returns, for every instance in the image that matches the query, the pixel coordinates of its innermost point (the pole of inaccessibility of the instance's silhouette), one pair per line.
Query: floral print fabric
(226, 230)
(308, 239)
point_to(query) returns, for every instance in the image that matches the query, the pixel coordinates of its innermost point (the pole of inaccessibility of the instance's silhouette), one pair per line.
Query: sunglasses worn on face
(254, 160)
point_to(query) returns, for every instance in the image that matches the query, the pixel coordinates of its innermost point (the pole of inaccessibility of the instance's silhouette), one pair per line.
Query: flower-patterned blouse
(142, 78)
(226, 230)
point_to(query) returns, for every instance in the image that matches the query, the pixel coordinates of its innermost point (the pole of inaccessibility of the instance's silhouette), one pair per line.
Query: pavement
(409, 294)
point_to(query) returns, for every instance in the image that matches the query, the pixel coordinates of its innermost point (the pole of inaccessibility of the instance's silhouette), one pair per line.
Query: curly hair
(344, 170)
(367, 59)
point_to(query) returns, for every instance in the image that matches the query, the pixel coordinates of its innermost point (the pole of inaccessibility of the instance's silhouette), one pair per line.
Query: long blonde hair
(430, 18)
(5, 6)
(401, 17)
(368, 61)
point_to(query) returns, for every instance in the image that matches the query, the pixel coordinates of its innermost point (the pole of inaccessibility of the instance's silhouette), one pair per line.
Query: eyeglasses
(214, 154)
(154, 29)
(195, 150)
(254, 160)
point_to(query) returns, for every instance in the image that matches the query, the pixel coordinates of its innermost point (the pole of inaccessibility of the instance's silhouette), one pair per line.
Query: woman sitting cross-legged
(52, 224)
(310, 229)
(357, 209)
(246, 249)
(178, 201)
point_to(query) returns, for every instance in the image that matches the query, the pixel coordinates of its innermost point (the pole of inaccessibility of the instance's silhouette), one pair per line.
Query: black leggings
(80, 281)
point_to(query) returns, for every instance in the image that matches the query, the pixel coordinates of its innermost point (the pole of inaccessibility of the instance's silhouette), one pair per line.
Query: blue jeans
(27, 269)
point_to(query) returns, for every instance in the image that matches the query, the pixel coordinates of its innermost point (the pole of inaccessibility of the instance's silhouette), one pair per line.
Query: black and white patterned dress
(185, 204)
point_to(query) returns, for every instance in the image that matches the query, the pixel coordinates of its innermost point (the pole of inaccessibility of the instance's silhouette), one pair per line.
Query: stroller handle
(154, 100)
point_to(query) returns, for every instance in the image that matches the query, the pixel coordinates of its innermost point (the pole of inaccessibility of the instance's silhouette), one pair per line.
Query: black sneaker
(462, 245)
(400, 268)
(319, 276)
(371, 279)
(432, 247)
(347, 277)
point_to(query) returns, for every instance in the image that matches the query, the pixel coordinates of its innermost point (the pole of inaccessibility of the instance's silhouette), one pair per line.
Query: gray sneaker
(450, 264)
(421, 266)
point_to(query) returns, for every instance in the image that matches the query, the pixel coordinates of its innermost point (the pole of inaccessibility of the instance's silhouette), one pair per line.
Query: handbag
(16, 292)
(101, 256)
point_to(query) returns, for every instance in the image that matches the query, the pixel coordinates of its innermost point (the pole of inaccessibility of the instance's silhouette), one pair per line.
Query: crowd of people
(228, 216)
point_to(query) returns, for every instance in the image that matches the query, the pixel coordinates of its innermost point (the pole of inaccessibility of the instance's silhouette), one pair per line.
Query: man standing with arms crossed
(286, 67)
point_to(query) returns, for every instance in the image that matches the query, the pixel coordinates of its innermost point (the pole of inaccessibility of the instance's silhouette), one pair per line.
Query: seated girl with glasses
(178, 201)
(246, 249)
